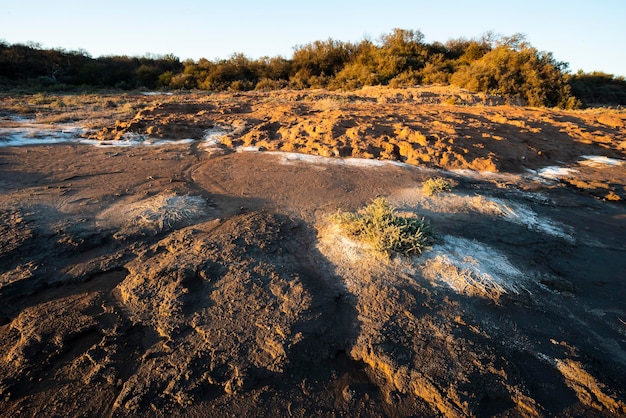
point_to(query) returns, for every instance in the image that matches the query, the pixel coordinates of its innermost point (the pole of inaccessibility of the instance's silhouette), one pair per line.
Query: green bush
(517, 74)
(268, 84)
(379, 226)
(598, 88)
(506, 66)
(436, 185)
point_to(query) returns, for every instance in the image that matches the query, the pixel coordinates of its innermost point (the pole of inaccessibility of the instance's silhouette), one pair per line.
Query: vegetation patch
(153, 215)
(381, 227)
(506, 66)
(436, 185)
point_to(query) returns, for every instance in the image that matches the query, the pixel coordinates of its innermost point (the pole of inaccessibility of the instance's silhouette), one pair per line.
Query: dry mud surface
(201, 276)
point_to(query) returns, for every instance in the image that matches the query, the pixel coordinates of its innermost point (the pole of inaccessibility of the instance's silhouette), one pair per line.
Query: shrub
(162, 212)
(269, 84)
(354, 76)
(436, 185)
(525, 73)
(405, 79)
(379, 226)
(598, 88)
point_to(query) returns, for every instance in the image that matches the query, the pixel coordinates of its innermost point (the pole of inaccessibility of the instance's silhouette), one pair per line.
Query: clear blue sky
(588, 34)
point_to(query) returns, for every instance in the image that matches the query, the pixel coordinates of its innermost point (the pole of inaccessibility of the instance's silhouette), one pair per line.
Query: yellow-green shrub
(379, 226)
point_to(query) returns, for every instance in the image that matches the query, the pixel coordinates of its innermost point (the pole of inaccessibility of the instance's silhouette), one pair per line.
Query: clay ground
(204, 277)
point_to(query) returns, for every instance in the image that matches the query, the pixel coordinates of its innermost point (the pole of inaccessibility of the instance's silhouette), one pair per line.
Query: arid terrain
(174, 255)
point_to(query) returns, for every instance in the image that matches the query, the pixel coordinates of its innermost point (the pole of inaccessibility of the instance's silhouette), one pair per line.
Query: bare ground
(192, 280)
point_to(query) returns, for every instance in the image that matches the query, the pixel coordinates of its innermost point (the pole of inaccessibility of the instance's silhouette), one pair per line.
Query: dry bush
(152, 215)
(436, 185)
(164, 211)
(379, 226)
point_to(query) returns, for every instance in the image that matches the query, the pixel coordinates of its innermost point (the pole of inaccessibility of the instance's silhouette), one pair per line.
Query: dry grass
(329, 103)
(436, 185)
(164, 211)
(92, 110)
(153, 215)
(472, 269)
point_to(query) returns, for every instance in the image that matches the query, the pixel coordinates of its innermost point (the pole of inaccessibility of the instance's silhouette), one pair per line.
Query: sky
(589, 35)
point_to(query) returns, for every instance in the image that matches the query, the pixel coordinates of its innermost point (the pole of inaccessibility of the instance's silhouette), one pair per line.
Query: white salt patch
(212, 137)
(292, 157)
(472, 268)
(523, 215)
(482, 175)
(555, 172)
(25, 133)
(288, 157)
(38, 134)
(248, 149)
(363, 162)
(156, 93)
(595, 160)
(135, 141)
(349, 249)
(465, 172)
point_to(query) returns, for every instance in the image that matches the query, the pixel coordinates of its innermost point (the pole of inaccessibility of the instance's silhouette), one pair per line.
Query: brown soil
(184, 280)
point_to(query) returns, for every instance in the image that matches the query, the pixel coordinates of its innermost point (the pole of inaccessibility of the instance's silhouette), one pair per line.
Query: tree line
(504, 65)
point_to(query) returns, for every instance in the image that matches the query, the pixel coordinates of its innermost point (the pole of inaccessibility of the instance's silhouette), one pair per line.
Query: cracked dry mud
(186, 280)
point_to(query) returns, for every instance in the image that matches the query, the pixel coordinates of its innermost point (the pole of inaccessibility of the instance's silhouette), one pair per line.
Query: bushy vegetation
(436, 185)
(379, 226)
(30, 66)
(493, 64)
(598, 88)
(533, 77)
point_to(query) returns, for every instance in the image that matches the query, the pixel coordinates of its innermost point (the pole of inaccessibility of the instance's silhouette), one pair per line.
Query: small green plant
(378, 225)
(436, 185)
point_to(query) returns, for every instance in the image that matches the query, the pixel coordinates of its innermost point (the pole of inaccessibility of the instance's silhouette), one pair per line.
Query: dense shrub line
(494, 64)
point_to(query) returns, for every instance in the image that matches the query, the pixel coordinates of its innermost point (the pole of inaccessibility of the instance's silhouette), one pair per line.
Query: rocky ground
(180, 260)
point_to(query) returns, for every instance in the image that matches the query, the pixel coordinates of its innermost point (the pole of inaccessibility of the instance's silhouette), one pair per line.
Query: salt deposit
(472, 268)
(523, 215)
(555, 172)
(25, 133)
(594, 160)
(134, 141)
(21, 132)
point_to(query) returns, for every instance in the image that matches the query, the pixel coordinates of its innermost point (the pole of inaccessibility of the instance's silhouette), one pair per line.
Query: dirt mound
(228, 306)
(409, 125)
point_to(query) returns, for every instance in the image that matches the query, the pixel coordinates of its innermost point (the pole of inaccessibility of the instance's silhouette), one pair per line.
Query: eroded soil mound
(409, 125)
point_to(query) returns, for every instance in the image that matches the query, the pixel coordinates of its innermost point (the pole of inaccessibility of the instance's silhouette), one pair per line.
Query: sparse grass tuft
(379, 226)
(162, 212)
(436, 185)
